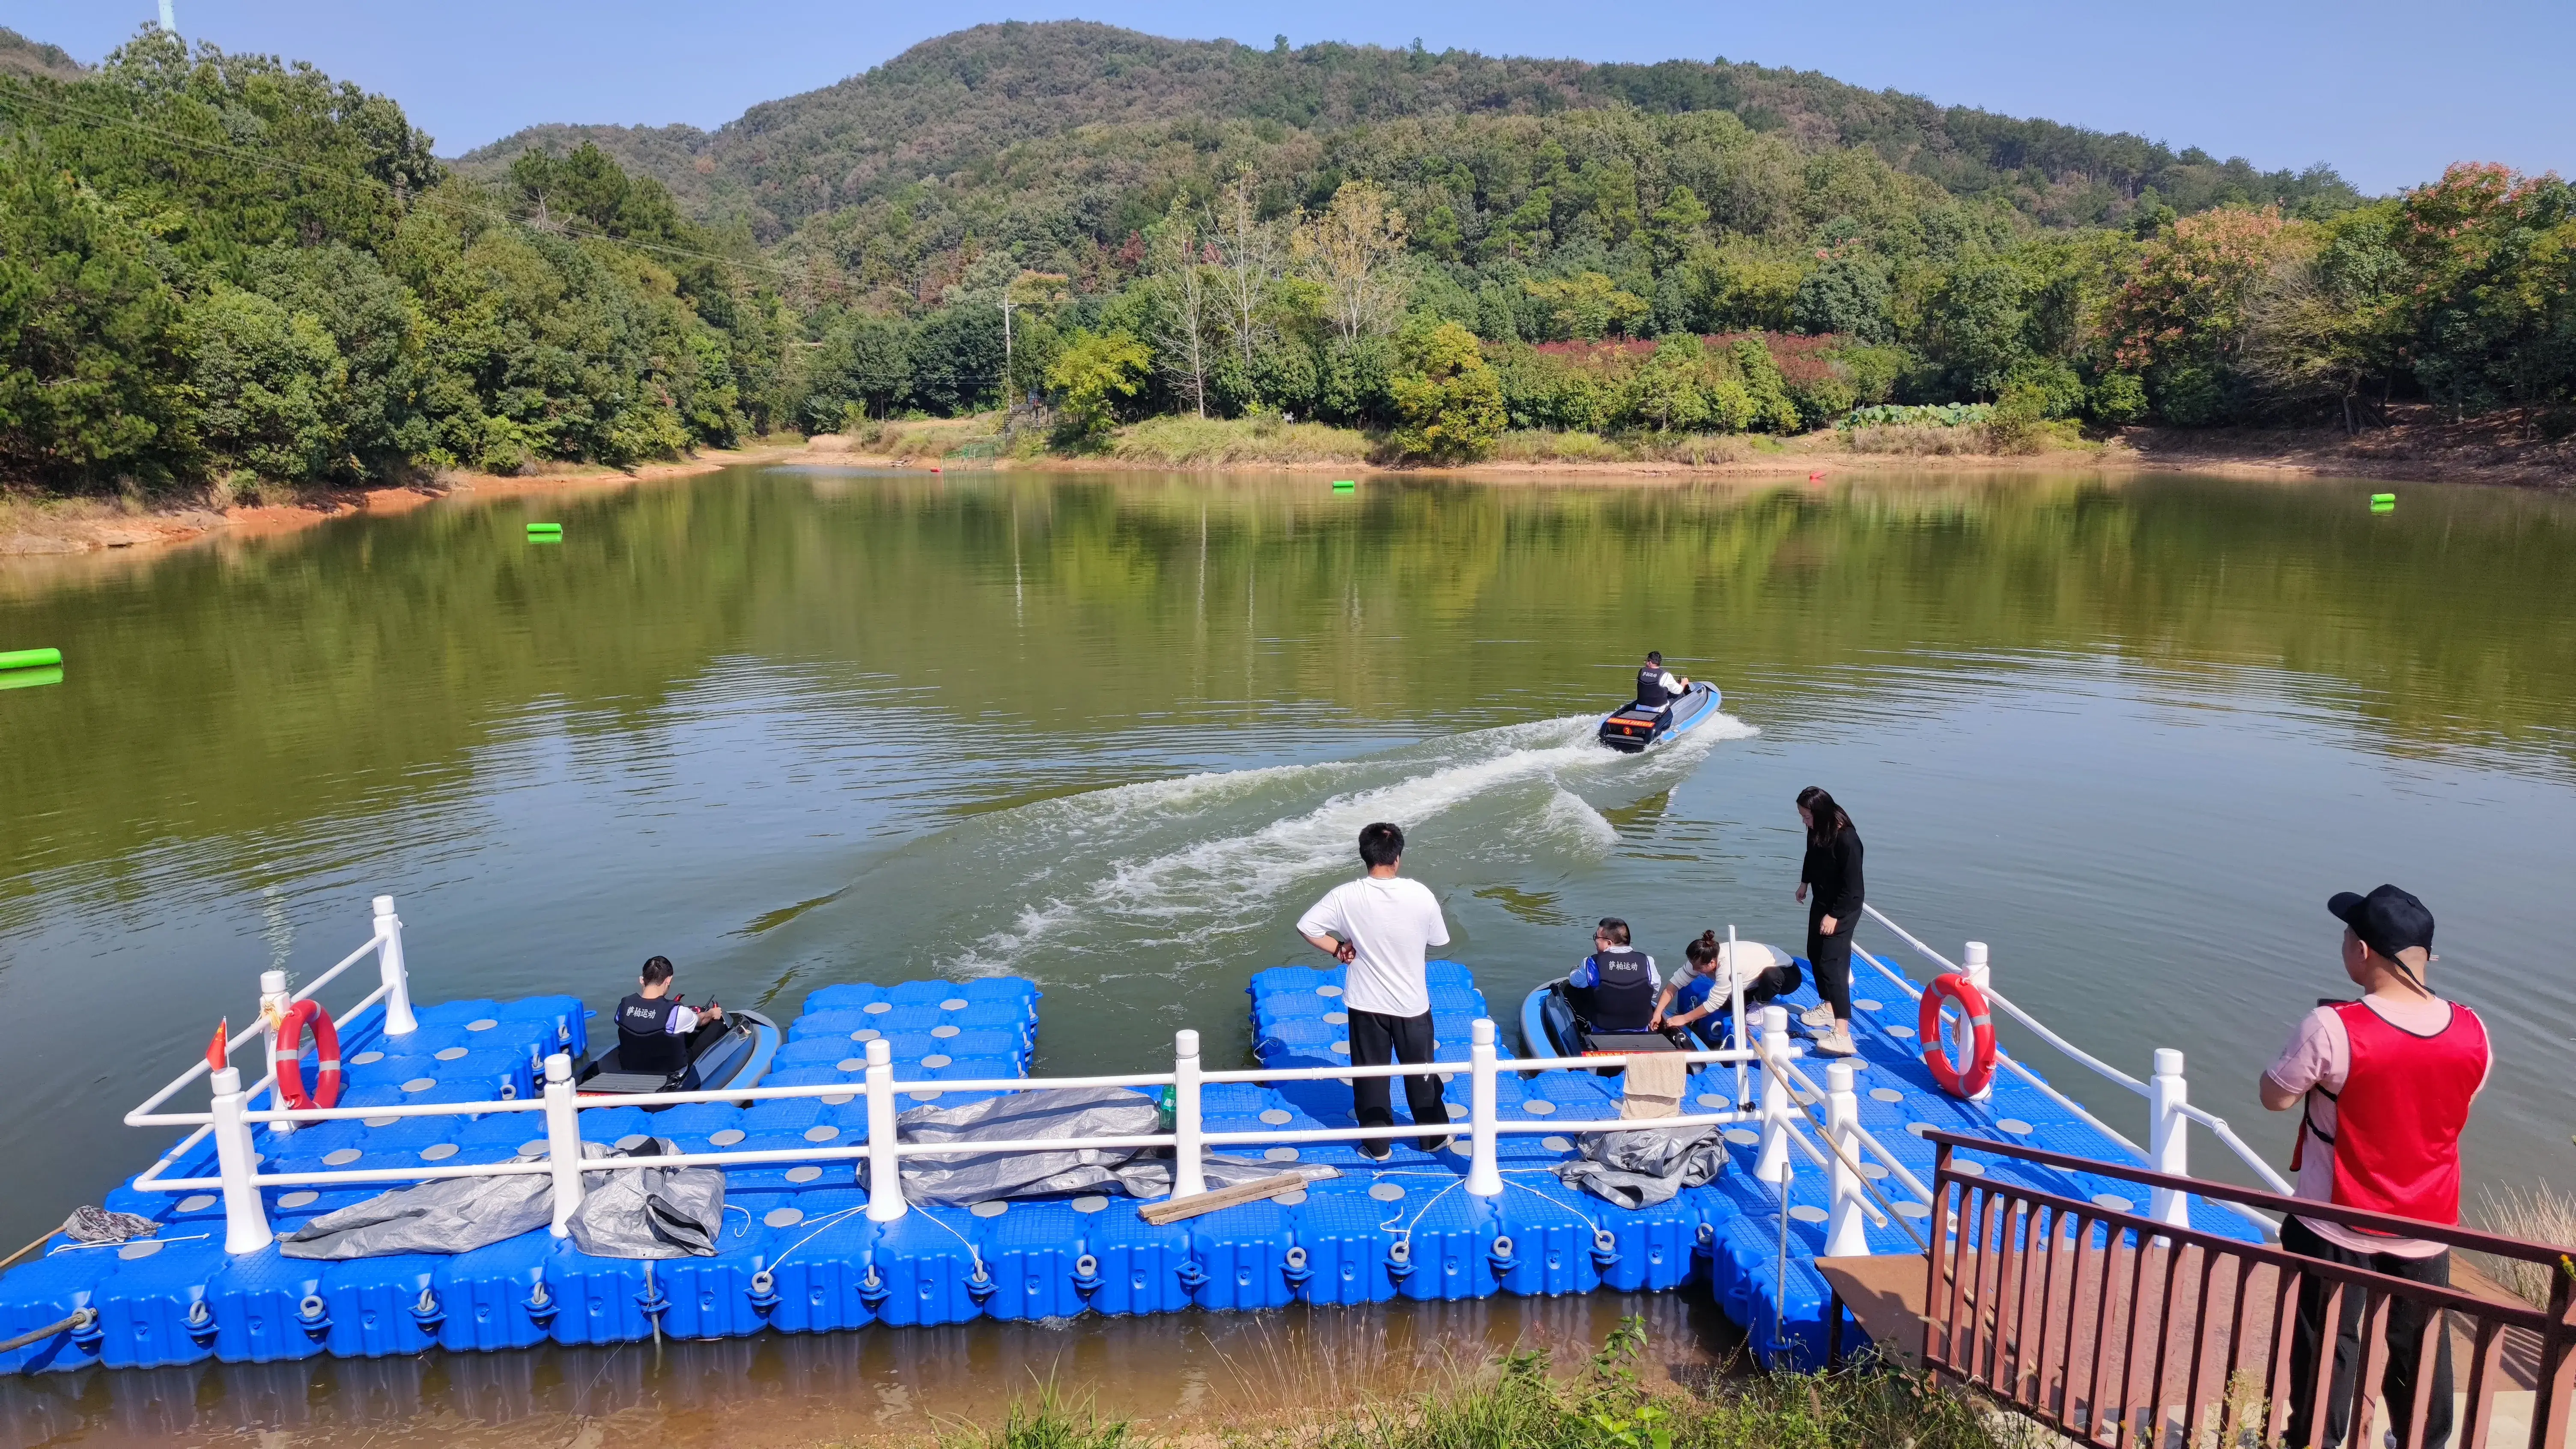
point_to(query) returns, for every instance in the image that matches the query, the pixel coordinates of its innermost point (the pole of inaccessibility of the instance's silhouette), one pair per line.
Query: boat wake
(1171, 877)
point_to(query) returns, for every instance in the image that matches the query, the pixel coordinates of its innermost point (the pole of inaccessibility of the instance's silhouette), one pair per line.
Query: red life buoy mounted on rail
(290, 1066)
(1936, 1045)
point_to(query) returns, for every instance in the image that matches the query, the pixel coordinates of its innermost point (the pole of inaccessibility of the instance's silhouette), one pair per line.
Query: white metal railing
(1785, 1096)
(2169, 1110)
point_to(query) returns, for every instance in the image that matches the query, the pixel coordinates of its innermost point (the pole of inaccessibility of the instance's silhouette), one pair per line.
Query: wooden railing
(2119, 1330)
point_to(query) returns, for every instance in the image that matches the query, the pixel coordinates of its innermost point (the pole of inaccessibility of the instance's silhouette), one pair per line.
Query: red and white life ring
(290, 1061)
(1936, 1045)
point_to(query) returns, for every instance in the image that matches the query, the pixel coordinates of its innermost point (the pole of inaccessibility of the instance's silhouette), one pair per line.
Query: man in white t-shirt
(2383, 1085)
(1383, 929)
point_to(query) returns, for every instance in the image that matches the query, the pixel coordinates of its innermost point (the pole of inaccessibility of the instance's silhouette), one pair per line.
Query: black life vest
(644, 1040)
(1650, 687)
(1623, 990)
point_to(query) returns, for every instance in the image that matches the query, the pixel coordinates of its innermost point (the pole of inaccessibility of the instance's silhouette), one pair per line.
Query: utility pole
(1006, 354)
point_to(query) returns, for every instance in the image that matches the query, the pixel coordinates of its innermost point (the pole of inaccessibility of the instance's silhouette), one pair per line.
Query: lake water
(790, 726)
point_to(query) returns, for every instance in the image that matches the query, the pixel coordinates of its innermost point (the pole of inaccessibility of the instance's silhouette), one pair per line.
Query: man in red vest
(2386, 1083)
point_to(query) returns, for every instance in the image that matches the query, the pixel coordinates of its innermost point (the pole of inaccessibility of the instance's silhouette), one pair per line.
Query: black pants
(1717, 1028)
(1379, 1040)
(1831, 956)
(2405, 1322)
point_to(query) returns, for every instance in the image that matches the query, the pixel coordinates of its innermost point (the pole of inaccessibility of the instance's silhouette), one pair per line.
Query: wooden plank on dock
(1172, 1210)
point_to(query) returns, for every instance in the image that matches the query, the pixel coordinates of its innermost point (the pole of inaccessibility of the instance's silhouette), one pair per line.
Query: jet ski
(1549, 1028)
(1634, 727)
(733, 1053)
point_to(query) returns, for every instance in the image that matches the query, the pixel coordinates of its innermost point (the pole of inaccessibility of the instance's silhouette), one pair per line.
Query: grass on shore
(1516, 1404)
(1181, 442)
(2537, 1214)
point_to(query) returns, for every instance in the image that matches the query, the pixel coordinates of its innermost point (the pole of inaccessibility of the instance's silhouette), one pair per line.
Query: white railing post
(1846, 1236)
(389, 955)
(1484, 1174)
(245, 1216)
(274, 998)
(1772, 1164)
(563, 1141)
(1981, 974)
(1189, 1169)
(885, 1165)
(2168, 1137)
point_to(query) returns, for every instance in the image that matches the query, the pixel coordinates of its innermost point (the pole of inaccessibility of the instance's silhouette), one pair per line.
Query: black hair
(1615, 929)
(1654, 656)
(657, 971)
(1381, 844)
(1829, 819)
(1703, 950)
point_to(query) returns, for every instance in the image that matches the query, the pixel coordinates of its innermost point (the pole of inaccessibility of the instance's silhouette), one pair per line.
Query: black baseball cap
(2387, 920)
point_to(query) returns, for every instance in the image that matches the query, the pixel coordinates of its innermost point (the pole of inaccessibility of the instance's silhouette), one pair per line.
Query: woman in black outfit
(1832, 871)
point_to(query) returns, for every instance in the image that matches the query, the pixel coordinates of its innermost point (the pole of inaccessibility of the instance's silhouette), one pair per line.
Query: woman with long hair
(1831, 871)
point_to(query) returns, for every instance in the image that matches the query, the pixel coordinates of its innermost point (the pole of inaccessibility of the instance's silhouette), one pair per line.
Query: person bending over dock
(2385, 1083)
(1383, 929)
(1705, 993)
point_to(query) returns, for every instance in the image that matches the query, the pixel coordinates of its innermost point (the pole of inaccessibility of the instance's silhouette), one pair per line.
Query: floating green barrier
(2377, 499)
(30, 658)
(536, 528)
(29, 678)
(1344, 485)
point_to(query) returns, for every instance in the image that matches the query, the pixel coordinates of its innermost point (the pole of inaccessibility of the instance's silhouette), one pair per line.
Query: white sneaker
(1836, 1044)
(1817, 1015)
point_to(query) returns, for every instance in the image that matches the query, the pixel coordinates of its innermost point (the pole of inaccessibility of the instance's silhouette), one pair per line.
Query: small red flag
(215, 1059)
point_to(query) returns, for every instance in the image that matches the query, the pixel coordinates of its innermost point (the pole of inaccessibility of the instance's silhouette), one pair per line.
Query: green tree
(91, 349)
(2180, 319)
(1977, 326)
(1092, 374)
(1846, 296)
(1448, 400)
(269, 387)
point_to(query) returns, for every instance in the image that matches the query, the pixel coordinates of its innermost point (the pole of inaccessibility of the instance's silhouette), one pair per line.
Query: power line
(398, 194)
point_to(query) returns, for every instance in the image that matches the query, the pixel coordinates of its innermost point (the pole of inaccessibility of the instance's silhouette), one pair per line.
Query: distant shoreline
(2409, 453)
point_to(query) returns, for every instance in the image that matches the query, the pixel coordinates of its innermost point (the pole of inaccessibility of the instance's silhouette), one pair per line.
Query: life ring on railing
(290, 1065)
(1936, 1045)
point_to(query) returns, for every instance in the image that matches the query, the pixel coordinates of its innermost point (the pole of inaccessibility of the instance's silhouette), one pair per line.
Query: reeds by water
(1515, 1403)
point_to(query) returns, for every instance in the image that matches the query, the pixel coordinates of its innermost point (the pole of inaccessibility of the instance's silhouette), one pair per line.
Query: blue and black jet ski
(1550, 1028)
(1636, 726)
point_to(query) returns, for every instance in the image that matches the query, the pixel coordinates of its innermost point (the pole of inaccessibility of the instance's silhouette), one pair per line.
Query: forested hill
(21, 56)
(949, 105)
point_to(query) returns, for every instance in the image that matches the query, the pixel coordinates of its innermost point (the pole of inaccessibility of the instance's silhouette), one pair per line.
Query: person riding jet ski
(1658, 687)
(654, 1029)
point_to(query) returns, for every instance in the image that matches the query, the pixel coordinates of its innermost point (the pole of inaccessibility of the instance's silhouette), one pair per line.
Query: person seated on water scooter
(1614, 989)
(1658, 687)
(654, 1029)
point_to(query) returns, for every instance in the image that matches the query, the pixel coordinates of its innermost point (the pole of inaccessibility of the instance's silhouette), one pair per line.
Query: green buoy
(30, 658)
(555, 528)
(1344, 485)
(2383, 502)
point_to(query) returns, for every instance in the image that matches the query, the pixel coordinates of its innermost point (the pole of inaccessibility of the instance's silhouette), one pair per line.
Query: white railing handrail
(2004, 1060)
(235, 1040)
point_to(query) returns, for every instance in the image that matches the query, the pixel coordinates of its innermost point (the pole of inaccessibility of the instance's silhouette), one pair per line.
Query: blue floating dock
(798, 1254)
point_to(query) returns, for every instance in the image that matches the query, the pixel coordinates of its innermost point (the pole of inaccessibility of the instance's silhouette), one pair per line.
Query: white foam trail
(1571, 817)
(1230, 876)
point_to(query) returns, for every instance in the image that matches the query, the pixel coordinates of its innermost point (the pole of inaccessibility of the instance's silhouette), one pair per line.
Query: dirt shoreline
(2411, 453)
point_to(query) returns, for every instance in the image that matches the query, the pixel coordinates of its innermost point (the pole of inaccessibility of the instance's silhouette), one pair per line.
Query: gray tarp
(646, 1212)
(1061, 1112)
(1644, 1167)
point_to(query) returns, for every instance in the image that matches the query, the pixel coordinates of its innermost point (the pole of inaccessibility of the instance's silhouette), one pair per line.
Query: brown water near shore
(1178, 1376)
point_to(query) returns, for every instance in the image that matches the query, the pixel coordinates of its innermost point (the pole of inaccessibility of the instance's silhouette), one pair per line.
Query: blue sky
(2387, 93)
